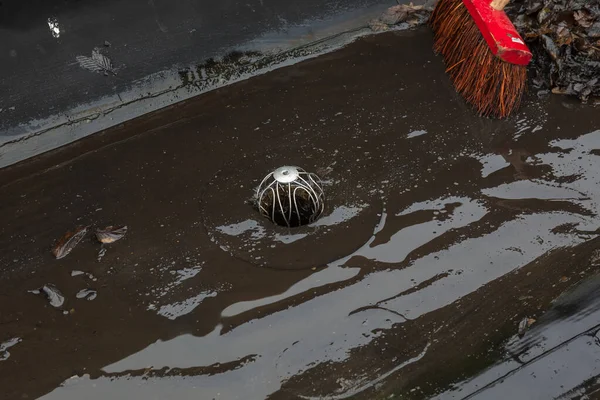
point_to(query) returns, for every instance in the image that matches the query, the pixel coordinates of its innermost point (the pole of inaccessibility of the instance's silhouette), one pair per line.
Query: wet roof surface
(43, 40)
(443, 234)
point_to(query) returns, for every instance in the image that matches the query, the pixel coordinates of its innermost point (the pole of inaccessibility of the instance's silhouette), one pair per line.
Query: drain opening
(290, 196)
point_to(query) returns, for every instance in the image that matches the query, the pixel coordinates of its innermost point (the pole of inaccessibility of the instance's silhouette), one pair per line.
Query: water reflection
(402, 277)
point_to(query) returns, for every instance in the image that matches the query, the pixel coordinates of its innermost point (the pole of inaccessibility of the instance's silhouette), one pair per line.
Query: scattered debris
(68, 242)
(55, 28)
(90, 276)
(564, 279)
(54, 296)
(595, 259)
(101, 254)
(525, 324)
(324, 171)
(98, 62)
(88, 294)
(110, 234)
(409, 14)
(564, 36)
(4, 354)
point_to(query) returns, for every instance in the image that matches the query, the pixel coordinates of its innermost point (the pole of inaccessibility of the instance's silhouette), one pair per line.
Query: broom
(485, 56)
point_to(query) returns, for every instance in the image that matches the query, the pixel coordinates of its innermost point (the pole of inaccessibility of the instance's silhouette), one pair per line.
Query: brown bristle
(492, 86)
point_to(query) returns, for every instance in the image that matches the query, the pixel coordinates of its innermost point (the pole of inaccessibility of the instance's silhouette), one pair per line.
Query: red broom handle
(498, 31)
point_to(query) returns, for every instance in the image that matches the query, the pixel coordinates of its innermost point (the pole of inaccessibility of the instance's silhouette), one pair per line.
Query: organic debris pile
(564, 36)
(402, 16)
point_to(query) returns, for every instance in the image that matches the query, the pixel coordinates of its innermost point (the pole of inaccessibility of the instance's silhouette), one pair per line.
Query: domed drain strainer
(230, 217)
(290, 196)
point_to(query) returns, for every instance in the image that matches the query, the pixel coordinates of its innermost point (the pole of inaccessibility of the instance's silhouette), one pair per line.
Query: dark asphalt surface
(39, 75)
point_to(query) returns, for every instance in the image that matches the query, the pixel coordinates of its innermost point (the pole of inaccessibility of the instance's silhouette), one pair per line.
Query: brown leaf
(584, 18)
(111, 234)
(397, 14)
(525, 324)
(544, 15)
(377, 26)
(68, 242)
(563, 34)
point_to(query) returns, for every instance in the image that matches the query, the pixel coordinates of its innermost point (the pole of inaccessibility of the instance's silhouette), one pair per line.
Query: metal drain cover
(231, 220)
(291, 197)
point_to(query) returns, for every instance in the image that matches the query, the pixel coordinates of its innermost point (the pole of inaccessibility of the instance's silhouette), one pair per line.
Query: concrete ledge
(267, 52)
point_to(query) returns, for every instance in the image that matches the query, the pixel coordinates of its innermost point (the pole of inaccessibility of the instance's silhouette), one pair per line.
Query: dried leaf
(558, 90)
(544, 16)
(584, 18)
(394, 15)
(377, 26)
(104, 62)
(54, 296)
(563, 34)
(550, 47)
(88, 294)
(398, 14)
(525, 324)
(101, 254)
(110, 234)
(534, 6)
(68, 242)
(98, 62)
(594, 31)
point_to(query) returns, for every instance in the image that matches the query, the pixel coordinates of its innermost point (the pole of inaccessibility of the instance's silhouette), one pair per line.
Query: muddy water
(442, 233)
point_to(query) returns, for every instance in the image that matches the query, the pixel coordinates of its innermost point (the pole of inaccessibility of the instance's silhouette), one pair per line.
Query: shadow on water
(433, 249)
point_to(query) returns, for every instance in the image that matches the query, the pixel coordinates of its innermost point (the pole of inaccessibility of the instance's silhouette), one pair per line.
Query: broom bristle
(492, 86)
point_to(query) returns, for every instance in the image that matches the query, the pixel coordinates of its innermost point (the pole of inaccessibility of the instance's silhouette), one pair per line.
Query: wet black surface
(442, 232)
(39, 73)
